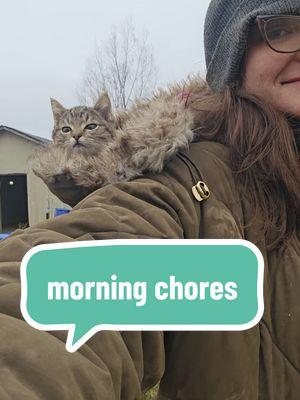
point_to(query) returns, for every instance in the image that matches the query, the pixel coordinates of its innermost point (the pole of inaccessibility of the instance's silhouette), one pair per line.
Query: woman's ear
(103, 106)
(57, 109)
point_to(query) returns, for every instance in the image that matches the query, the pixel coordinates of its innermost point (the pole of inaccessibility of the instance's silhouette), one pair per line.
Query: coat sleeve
(111, 365)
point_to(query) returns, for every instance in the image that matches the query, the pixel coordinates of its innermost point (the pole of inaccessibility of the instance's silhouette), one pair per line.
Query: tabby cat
(92, 146)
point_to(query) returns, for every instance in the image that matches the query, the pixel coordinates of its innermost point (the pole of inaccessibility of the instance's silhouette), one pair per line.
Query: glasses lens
(283, 34)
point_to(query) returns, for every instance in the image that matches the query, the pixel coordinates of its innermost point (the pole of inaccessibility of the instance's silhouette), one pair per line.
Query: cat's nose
(77, 136)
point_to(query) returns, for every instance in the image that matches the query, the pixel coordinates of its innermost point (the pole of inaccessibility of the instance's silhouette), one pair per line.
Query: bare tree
(123, 66)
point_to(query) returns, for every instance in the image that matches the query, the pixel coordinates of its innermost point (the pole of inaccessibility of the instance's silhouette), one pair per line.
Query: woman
(246, 152)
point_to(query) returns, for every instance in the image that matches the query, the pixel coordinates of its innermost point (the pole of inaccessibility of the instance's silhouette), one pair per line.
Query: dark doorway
(13, 201)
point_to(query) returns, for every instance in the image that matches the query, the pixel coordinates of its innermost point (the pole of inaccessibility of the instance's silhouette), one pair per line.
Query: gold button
(200, 191)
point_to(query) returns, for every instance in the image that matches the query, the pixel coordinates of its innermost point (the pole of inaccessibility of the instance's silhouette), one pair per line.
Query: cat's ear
(57, 109)
(103, 106)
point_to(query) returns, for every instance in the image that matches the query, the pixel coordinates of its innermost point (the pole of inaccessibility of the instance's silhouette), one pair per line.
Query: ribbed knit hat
(226, 31)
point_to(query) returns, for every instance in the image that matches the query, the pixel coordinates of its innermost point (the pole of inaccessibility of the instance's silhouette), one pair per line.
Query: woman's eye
(279, 33)
(90, 127)
(66, 129)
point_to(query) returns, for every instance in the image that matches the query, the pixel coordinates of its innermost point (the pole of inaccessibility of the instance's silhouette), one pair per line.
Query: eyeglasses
(280, 32)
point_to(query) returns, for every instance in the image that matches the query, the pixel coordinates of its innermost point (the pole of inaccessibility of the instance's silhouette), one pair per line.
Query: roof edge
(28, 136)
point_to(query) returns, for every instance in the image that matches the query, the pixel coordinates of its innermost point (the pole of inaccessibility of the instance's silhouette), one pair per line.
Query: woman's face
(273, 77)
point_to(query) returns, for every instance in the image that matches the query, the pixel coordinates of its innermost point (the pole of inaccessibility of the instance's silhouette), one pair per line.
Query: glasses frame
(262, 21)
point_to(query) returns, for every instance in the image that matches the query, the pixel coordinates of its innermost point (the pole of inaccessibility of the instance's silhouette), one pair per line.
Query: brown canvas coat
(262, 363)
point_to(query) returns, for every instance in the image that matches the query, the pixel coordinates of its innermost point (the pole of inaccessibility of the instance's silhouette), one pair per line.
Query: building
(24, 198)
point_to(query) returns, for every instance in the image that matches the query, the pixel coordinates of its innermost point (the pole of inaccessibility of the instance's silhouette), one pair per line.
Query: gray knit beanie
(226, 31)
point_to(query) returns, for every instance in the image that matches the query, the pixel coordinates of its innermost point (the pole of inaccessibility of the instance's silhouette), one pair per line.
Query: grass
(151, 394)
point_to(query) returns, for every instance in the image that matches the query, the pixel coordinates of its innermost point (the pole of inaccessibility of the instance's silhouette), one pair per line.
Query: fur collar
(147, 136)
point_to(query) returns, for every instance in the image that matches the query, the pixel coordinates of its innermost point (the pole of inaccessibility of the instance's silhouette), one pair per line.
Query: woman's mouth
(290, 81)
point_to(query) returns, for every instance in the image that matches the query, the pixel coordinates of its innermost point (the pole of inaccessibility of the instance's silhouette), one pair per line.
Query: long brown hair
(263, 153)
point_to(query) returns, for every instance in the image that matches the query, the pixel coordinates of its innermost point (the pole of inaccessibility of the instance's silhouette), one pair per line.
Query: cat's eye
(91, 127)
(66, 129)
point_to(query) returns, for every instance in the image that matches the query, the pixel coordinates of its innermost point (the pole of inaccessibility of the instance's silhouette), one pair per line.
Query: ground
(151, 395)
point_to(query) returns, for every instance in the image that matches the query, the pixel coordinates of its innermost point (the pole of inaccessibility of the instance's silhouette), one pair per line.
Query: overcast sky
(45, 46)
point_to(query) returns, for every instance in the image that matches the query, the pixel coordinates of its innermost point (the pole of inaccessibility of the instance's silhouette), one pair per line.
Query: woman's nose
(297, 55)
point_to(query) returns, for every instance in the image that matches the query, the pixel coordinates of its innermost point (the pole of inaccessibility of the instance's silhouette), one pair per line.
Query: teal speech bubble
(189, 285)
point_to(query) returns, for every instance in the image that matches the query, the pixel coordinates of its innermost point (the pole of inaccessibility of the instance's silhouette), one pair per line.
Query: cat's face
(84, 130)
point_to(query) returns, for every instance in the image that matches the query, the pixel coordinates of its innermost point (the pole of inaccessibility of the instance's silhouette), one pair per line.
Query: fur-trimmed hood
(146, 137)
